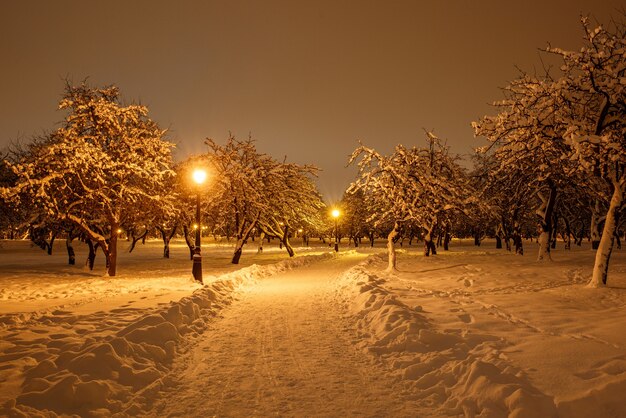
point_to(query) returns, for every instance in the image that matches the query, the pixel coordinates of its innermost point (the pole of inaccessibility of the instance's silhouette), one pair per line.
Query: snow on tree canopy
(105, 161)
(413, 185)
(571, 129)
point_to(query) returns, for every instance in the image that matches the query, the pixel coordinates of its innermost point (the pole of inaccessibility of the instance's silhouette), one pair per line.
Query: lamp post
(199, 176)
(336, 214)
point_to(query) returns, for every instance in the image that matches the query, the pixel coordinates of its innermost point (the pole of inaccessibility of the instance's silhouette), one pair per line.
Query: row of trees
(556, 156)
(564, 134)
(109, 169)
(555, 162)
(419, 188)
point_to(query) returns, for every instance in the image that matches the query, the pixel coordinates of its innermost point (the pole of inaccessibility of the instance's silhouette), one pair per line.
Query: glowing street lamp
(335, 213)
(199, 177)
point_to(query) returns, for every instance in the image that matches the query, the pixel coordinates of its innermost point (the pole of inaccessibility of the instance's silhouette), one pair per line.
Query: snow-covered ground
(471, 332)
(33, 282)
(481, 332)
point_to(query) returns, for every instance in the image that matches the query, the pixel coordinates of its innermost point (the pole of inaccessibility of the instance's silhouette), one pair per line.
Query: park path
(283, 349)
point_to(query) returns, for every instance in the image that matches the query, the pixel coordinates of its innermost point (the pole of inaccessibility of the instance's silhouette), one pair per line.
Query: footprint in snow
(467, 318)
(466, 282)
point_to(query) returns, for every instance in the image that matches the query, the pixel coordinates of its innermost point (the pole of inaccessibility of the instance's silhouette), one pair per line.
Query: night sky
(306, 79)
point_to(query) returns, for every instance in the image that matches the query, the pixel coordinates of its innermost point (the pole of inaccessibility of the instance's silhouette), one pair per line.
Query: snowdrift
(452, 371)
(117, 366)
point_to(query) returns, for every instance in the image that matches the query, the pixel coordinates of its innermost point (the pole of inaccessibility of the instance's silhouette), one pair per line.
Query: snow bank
(452, 370)
(122, 365)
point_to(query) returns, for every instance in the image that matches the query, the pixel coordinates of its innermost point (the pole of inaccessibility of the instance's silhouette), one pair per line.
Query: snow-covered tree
(529, 154)
(254, 191)
(105, 163)
(412, 185)
(238, 186)
(13, 217)
(568, 130)
(354, 219)
(294, 201)
(573, 216)
(506, 200)
(595, 80)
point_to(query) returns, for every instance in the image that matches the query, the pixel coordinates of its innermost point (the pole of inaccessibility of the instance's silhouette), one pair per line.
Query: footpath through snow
(284, 349)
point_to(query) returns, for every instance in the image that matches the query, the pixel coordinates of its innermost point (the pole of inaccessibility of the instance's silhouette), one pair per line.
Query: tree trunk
(517, 239)
(506, 232)
(261, 237)
(595, 225)
(238, 251)
(167, 238)
(498, 234)
(477, 238)
(567, 235)
(356, 241)
(166, 247)
(38, 237)
(555, 227)
(289, 249)
(446, 237)
(446, 241)
(546, 224)
(71, 255)
(242, 238)
(166, 242)
(544, 246)
(285, 241)
(107, 260)
(112, 250)
(91, 257)
(371, 238)
(54, 235)
(603, 254)
(135, 239)
(190, 243)
(391, 250)
(429, 244)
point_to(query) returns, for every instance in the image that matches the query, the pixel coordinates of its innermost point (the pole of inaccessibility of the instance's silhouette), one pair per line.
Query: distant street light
(336, 214)
(199, 176)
